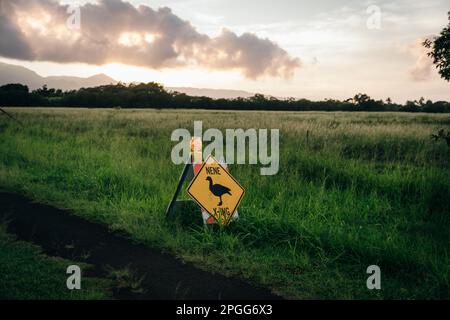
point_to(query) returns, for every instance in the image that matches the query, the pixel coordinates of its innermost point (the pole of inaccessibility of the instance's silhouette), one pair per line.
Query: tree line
(153, 95)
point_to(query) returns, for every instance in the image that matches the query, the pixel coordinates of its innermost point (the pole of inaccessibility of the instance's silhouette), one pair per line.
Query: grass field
(362, 189)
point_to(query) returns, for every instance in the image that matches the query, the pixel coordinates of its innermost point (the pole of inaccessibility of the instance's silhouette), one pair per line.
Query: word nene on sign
(216, 191)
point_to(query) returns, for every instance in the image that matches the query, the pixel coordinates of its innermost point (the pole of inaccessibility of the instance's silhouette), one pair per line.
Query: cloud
(423, 66)
(116, 31)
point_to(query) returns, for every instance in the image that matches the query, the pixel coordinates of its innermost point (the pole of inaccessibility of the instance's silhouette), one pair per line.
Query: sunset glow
(321, 50)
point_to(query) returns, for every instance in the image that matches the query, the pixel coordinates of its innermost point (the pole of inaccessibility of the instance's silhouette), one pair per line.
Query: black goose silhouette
(218, 190)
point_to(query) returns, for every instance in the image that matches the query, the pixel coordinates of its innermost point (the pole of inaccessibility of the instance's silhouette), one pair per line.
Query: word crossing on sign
(216, 191)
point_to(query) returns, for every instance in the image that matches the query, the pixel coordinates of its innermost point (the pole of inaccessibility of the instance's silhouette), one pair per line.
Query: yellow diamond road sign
(216, 191)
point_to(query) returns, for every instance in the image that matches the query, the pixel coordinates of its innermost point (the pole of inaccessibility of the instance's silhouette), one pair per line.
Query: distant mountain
(68, 83)
(17, 74)
(213, 93)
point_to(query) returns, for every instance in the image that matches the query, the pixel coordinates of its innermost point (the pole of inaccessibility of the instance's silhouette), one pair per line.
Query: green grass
(25, 273)
(363, 189)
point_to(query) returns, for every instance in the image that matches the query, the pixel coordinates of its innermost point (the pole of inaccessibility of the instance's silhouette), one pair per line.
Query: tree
(366, 103)
(44, 91)
(153, 95)
(440, 51)
(411, 106)
(14, 87)
(14, 94)
(361, 99)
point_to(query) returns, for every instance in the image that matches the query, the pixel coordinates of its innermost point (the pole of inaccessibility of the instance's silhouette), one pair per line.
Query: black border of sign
(195, 178)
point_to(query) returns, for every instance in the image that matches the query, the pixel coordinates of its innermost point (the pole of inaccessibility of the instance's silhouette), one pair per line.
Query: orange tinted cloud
(422, 69)
(116, 31)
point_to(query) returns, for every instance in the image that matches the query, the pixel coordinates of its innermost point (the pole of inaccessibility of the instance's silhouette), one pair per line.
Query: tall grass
(354, 189)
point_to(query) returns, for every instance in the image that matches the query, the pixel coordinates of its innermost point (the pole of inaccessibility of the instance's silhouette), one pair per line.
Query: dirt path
(61, 233)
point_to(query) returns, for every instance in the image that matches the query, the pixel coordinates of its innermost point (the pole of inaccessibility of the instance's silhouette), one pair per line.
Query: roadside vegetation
(353, 190)
(26, 273)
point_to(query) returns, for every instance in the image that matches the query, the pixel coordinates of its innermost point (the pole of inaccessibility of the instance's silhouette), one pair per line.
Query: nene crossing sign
(216, 191)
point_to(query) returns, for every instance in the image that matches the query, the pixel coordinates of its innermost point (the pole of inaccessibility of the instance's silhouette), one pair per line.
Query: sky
(285, 48)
